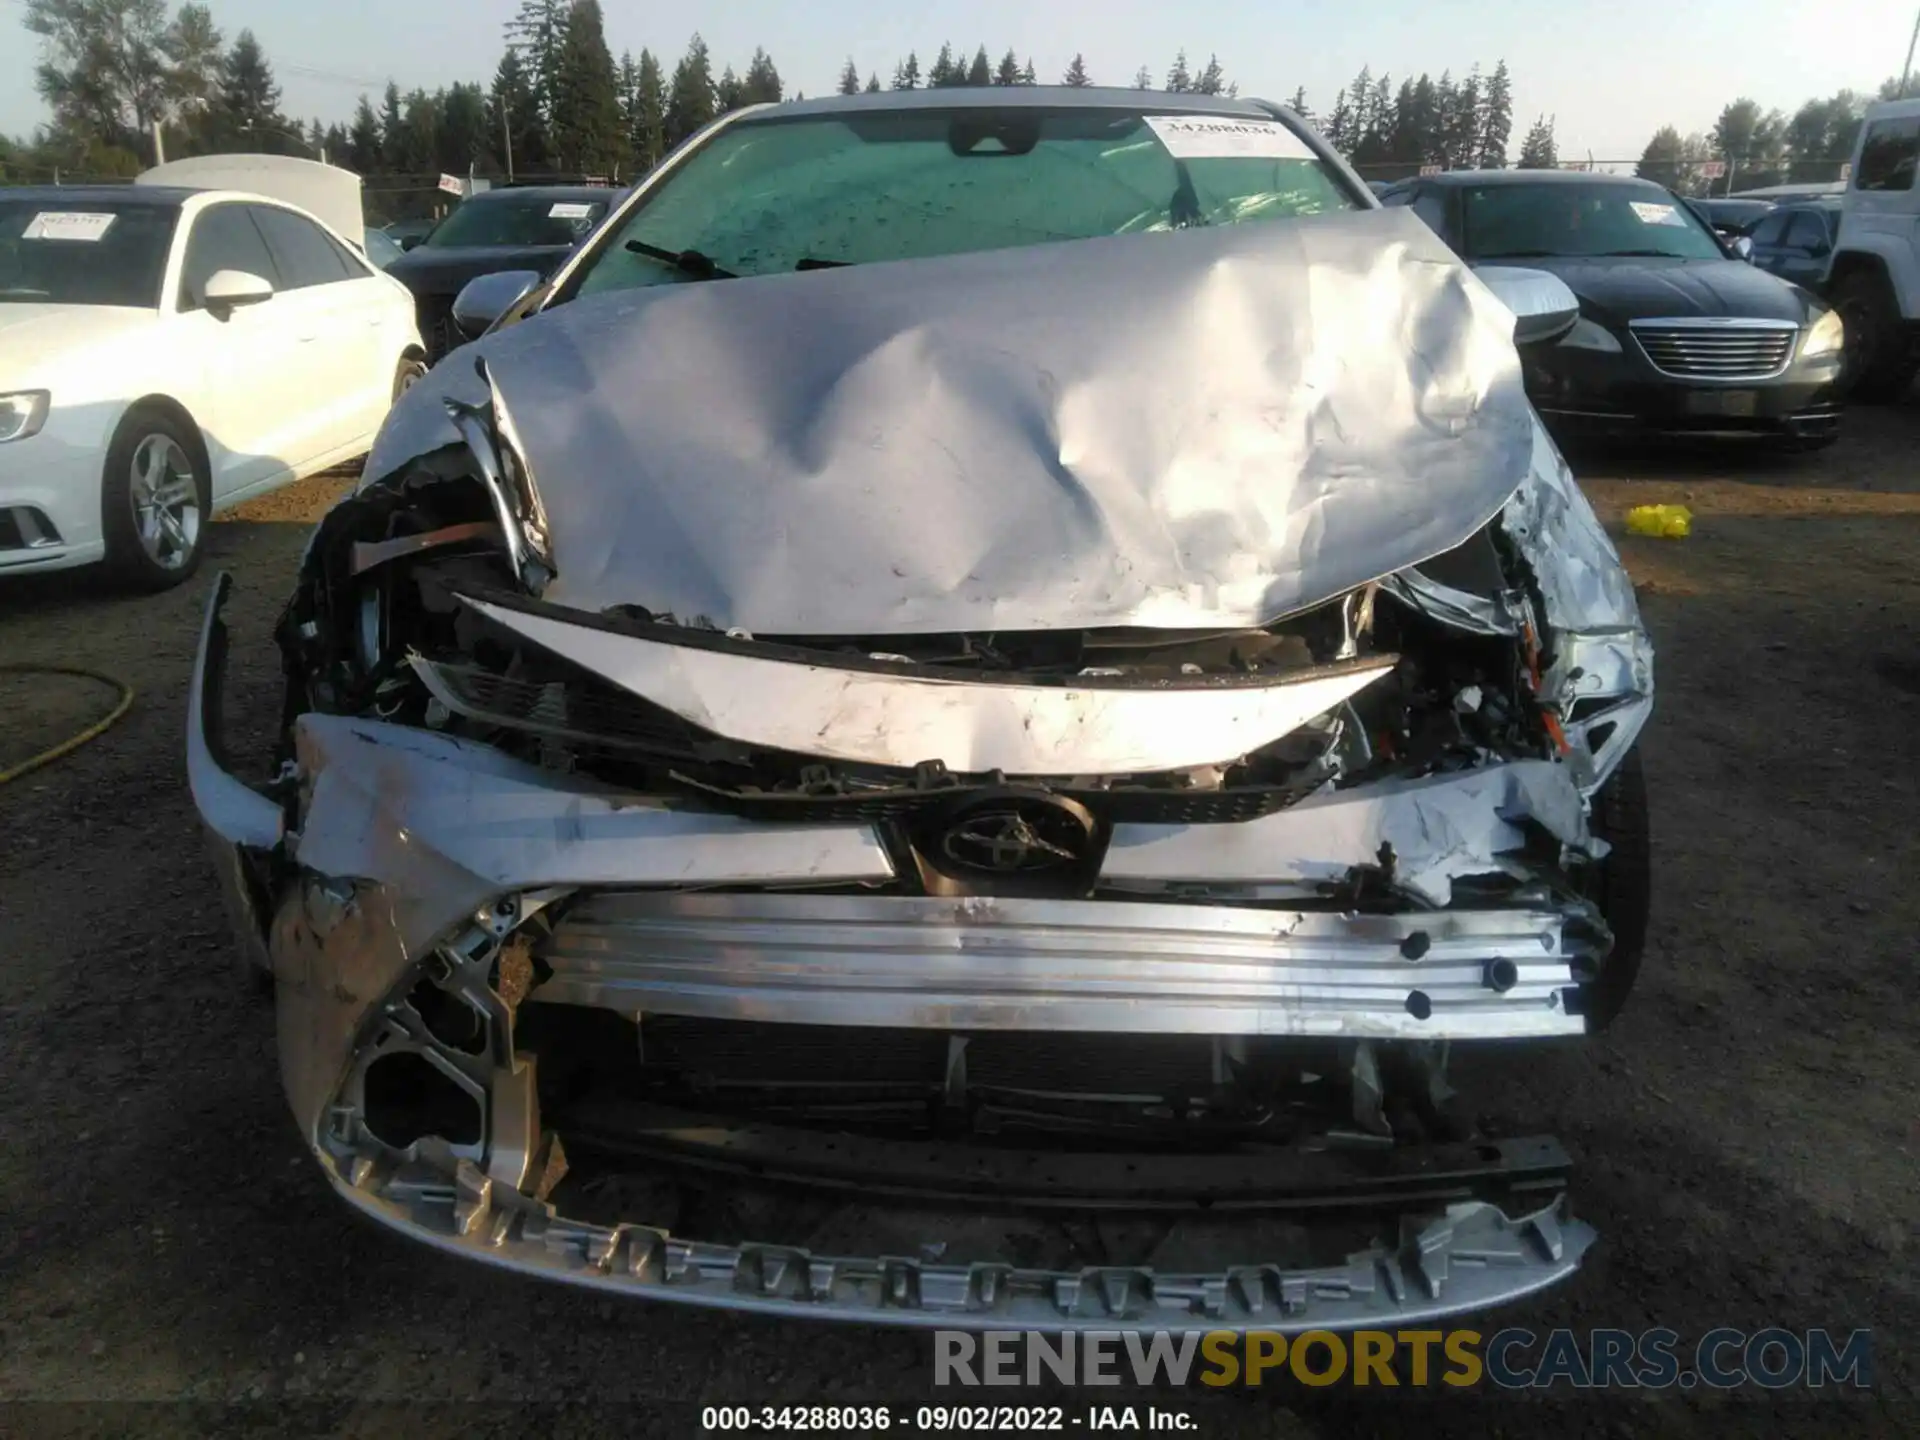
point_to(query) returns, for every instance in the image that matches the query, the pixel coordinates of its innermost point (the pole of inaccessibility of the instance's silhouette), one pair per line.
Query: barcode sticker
(68, 225)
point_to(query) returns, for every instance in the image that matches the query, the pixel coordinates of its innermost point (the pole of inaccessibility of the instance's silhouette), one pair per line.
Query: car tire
(156, 500)
(1879, 363)
(1621, 886)
(408, 373)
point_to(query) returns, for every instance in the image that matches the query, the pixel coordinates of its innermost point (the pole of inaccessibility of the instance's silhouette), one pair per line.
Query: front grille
(1706, 351)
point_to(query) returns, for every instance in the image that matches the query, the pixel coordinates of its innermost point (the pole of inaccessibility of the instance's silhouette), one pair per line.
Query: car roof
(1016, 97)
(154, 195)
(1530, 177)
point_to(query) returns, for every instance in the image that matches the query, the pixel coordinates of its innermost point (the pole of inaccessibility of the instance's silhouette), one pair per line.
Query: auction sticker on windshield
(570, 210)
(1657, 214)
(1220, 137)
(67, 225)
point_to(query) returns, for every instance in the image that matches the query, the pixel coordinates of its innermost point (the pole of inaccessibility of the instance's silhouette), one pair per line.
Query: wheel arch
(173, 410)
(1856, 260)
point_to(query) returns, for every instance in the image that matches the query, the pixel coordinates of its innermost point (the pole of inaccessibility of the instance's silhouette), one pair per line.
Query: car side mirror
(1743, 246)
(1544, 309)
(226, 291)
(485, 298)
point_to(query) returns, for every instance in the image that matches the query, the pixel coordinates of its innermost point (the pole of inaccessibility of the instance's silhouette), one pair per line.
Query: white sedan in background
(167, 353)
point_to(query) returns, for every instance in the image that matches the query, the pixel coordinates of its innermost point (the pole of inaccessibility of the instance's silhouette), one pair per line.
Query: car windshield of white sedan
(847, 189)
(1518, 221)
(522, 219)
(83, 252)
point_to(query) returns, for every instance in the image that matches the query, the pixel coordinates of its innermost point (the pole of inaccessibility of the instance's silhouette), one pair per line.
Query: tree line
(114, 71)
(1764, 147)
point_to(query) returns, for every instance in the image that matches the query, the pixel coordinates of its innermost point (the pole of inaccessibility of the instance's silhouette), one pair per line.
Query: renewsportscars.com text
(1512, 1359)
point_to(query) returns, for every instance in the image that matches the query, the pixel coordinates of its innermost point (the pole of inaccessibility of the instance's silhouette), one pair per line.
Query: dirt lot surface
(1747, 1135)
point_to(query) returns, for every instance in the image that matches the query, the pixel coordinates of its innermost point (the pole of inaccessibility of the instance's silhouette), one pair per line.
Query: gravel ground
(1747, 1134)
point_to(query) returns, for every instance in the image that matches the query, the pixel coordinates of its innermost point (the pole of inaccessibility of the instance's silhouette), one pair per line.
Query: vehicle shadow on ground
(1869, 434)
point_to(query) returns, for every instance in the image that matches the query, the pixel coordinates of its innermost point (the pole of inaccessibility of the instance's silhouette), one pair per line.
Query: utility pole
(506, 141)
(159, 145)
(1907, 69)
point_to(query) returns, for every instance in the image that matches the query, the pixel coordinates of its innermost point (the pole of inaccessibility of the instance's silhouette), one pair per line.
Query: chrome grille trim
(1717, 348)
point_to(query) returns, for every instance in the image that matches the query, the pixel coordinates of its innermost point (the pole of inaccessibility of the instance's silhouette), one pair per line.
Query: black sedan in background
(1676, 332)
(1733, 218)
(531, 227)
(1796, 242)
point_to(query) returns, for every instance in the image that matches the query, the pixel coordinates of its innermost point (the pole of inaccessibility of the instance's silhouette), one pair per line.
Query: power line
(334, 75)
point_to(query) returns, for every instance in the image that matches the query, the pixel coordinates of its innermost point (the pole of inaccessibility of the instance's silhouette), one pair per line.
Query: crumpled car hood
(1207, 428)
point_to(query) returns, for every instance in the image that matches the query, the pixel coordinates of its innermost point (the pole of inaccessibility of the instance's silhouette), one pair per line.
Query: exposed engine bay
(1093, 974)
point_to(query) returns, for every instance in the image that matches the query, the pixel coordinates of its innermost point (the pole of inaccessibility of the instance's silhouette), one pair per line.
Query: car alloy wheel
(166, 502)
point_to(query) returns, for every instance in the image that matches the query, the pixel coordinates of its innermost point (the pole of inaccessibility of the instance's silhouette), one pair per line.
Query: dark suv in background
(531, 227)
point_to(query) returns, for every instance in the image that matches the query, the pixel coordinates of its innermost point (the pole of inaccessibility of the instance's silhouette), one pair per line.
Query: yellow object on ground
(1670, 522)
(66, 747)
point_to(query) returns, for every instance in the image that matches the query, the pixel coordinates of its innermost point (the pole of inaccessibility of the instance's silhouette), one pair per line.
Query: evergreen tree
(1179, 79)
(1076, 77)
(537, 32)
(690, 100)
(1661, 161)
(849, 78)
(647, 133)
(629, 82)
(1407, 133)
(873, 82)
(516, 128)
(1298, 104)
(1469, 120)
(586, 128)
(1143, 79)
(980, 73)
(727, 91)
(1538, 151)
(1213, 80)
(1423, 124)
(1008, 72)
(461, 142)
(1339, 126)
(363, 140)
(1497, 126)
(246, 110)
(335, 143)
(419, 135)
(393, 140)
(762, 85)
(906, 75)
(943, 73)
(1028, 75)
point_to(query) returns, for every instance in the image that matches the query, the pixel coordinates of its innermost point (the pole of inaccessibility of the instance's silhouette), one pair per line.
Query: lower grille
(1753, 350)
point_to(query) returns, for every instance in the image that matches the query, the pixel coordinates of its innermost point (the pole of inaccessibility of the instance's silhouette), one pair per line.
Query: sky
(1610, 71)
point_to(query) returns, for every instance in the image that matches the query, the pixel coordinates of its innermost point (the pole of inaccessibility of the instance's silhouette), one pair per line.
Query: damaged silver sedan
(949, 727)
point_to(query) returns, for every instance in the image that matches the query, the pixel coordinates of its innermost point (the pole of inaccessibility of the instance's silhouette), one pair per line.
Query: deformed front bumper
(420, 861)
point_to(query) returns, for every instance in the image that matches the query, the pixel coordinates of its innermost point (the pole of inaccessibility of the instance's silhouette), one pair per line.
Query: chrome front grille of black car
(1717, 349)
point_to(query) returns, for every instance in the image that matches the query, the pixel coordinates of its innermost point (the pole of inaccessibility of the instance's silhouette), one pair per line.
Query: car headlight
(1826, 336)
(22, 414)
(1587, 335)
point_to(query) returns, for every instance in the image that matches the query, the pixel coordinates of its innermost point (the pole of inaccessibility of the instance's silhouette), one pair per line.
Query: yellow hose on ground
(92, 732)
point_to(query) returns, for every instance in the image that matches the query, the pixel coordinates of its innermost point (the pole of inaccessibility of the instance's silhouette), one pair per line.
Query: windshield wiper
(1516, 254)
(687, 262)
(809, 262)
(1651, 254)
